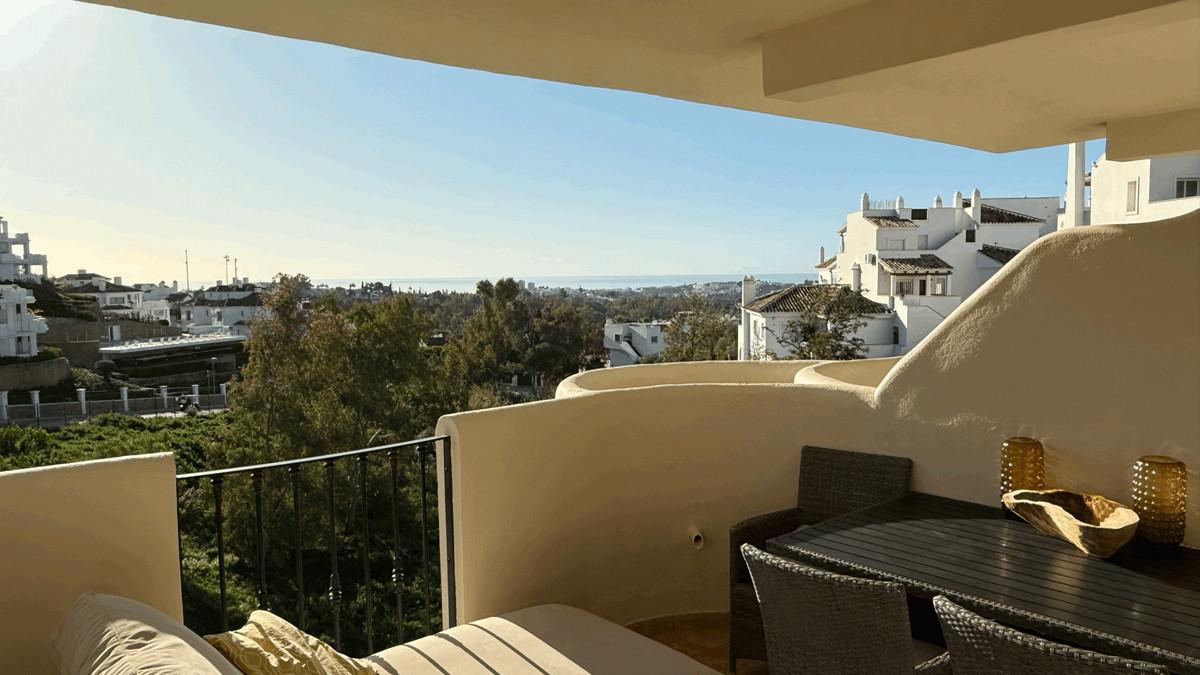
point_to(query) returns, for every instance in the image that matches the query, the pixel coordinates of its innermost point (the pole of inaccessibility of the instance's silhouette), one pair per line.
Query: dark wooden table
(1142, 603)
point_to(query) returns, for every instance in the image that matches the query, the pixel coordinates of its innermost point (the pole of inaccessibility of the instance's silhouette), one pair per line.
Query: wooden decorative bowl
(1096, 525)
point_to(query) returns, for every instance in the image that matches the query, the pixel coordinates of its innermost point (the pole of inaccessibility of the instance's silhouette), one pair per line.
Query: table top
(1143, 602)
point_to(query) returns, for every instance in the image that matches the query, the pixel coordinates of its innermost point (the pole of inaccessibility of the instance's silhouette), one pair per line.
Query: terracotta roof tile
(922, 264)
(1000, 254)
(812, 298)
(995, 214)
(891, 221)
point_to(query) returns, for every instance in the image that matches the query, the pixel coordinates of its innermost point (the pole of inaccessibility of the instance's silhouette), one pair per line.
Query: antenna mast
(187, 271)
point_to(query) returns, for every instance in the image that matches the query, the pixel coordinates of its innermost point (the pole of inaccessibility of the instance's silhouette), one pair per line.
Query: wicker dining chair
(820, 622)
(980, 646)
(832, 482)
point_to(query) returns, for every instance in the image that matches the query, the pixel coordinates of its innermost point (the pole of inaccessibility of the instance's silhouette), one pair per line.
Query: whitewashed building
(765, 319)
(22, 266)
(112, 296)
(19, 327)
(914, 265)
(629, 343)
(1136, 191)
(223, 308)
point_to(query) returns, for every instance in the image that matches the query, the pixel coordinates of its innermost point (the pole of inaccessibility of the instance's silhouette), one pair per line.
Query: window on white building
(939, 286)
(654, 338)
(1187, 187)
(22, 345)
(904, 287)
(1131, 197)
(3, 314)
(970, 236)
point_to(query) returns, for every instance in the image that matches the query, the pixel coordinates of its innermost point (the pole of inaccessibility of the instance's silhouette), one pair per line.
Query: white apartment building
(111, 295)
(915, 265)
(1136, 191)
(223, 308)
(23, 266)
(629, 343)
(19, 327)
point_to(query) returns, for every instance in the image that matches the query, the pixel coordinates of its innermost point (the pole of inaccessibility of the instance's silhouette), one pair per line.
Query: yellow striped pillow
(268, 645)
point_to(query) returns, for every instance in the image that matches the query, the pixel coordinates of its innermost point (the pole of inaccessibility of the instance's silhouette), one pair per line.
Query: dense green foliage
(701, 333)
(49, 300)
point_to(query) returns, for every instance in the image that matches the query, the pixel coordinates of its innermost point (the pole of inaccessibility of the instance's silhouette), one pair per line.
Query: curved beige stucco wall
(863, 373)
(107, 526)
(692, 372)
(592, 500)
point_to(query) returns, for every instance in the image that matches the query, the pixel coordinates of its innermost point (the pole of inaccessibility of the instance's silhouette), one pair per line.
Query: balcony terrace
(618, 496)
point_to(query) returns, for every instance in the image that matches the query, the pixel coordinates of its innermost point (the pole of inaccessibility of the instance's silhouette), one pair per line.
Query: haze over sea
(467, 284)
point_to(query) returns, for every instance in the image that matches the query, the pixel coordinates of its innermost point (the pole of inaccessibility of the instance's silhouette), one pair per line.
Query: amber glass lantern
(1160, 498)
(1022, 465)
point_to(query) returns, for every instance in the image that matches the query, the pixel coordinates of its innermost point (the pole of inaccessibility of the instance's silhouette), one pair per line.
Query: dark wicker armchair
(821, 622)
(980, 646)
(832, 482)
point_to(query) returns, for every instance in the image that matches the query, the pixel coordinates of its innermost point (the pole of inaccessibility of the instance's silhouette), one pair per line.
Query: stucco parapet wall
(691, 372)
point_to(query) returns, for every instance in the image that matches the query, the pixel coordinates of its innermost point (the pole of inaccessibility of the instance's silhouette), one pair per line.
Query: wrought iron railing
(419, 453)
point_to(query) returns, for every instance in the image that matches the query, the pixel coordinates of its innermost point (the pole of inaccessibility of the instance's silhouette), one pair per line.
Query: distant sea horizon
(595, 282)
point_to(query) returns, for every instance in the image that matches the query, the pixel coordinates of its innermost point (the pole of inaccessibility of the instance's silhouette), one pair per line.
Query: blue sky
(126, 138)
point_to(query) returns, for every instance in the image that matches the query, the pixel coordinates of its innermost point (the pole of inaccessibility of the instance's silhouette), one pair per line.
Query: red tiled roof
(1000, 254)
(922, 264)
(891, 221)
(813, 298)
(995, 214)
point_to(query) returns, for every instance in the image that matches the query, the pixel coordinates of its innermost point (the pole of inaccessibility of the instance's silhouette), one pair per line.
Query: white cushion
(108, 635)
(537, 640)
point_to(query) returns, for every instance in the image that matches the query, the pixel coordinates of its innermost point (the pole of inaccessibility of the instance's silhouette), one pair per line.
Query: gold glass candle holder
(1160, 498)
(1022, 465)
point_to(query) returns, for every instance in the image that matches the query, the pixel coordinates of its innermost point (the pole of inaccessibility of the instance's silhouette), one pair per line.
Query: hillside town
(897, 271)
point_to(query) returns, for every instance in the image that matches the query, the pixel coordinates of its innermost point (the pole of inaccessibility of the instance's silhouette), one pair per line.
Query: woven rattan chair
(820, 622)
(832, 482)
(980, 646)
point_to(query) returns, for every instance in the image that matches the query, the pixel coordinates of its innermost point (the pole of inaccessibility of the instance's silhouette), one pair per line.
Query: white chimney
(855, 277)
(175, 286)
(865, 203)
(1073, 215)
(976, 205)
(958, 199)
(937, 202)
(81, 271)
(899, 202)
(117, 280)
(749, 291)
(822, 255)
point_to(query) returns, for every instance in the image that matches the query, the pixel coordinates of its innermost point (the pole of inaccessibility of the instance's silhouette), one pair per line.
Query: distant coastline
(617, 282)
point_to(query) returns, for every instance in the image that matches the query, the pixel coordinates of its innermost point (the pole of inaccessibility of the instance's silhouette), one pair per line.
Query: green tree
(700, 333)
(829, 334)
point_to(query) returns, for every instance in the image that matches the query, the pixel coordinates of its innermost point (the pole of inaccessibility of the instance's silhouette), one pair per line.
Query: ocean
(467, 284)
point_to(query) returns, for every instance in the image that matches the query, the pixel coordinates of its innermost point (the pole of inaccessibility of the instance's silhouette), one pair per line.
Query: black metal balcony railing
(420, 452)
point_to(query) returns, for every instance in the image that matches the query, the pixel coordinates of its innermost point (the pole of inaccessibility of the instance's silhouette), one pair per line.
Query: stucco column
(35, 398)
(1073, 213)
(3, 406)
(125, 399)
(162, 392)
(196, 394)
(949, 291)
(82, 394)
(225, 393)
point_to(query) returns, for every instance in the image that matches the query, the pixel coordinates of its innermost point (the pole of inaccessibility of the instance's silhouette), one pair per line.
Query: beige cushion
(268, 645)
(108, 635)
(537, 640)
